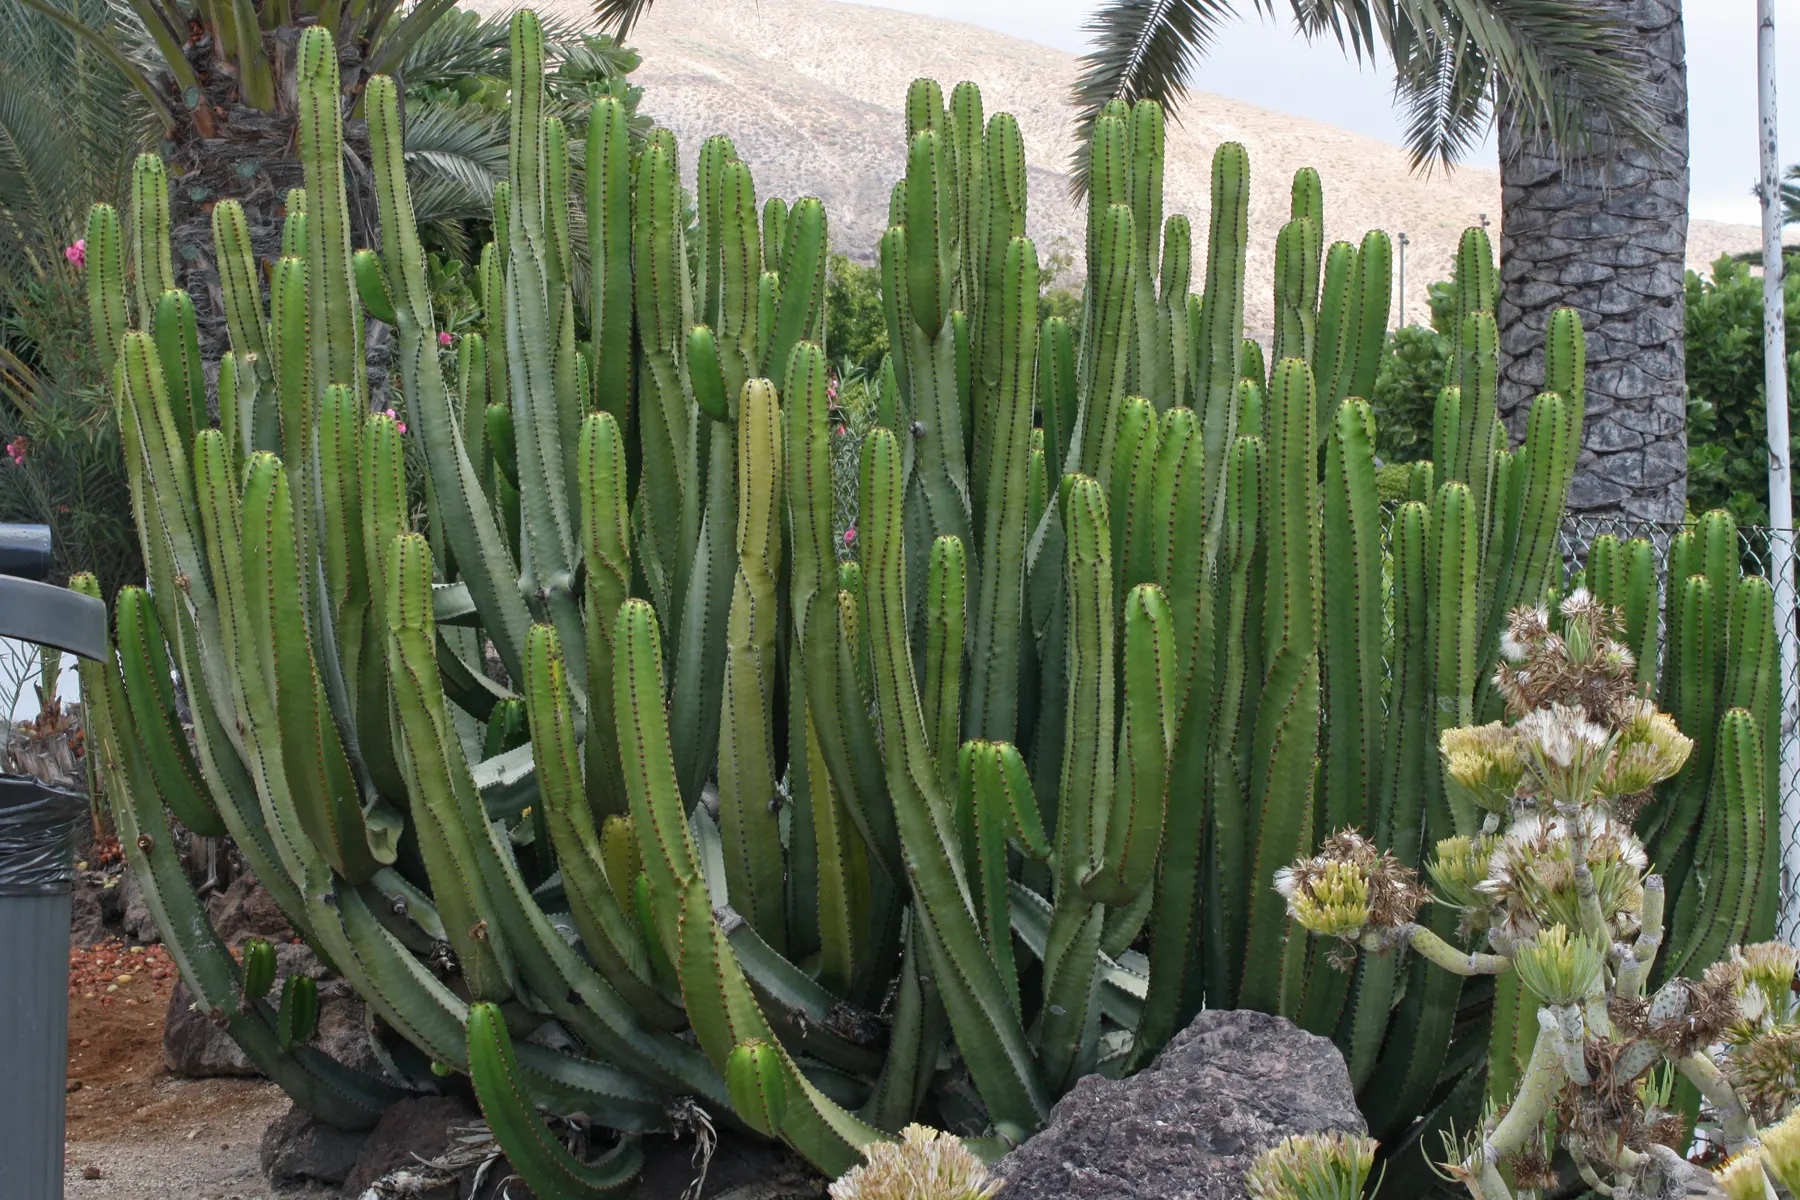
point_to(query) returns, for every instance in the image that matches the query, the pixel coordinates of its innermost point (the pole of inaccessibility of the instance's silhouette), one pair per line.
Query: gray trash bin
(37, 853)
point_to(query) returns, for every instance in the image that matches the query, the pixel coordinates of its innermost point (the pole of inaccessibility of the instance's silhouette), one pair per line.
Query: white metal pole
(1401, 323)
(1781, 504)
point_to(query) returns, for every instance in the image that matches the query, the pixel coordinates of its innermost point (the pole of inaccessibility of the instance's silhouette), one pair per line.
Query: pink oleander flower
(841, 431)
(849, 535)
(15, 450)
(398, 423)
(444, 338)
(77, 253)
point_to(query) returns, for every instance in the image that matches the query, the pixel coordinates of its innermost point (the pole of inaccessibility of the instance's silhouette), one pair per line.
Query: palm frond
(458, 44)
(1444, 90)
(455, 154)
(70, 125)
(1790, 197)
(618, 16)
(598, 56)
(1143, 49)
(462, 43)
(1567, 69)
(129, 70)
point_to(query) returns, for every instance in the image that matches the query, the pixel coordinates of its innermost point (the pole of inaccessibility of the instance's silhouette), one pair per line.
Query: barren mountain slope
(812, 93)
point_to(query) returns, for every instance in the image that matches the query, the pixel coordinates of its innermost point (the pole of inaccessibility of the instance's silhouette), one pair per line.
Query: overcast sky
(1265, 63)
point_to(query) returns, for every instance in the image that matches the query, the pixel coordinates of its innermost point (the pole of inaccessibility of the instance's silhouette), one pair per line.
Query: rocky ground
(1184, 1129)
(163, 1106)
(135, 1132)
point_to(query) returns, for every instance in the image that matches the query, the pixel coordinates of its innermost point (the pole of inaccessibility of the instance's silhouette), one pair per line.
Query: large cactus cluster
(566, 736)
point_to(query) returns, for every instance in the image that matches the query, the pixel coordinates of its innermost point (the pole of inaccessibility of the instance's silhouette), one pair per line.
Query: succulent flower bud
(1650, 748)
(1741, 1178)
(1559, 968)
(1766, 979)
(1781, 1151)
(924, 1162)
(1350, 885)
(1312, 1166)
(1581, 617)
(1331, 898)
(1483, 763)
(1460, 866)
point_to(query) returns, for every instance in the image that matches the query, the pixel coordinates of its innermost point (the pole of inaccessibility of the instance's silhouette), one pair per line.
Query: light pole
(1781, 494)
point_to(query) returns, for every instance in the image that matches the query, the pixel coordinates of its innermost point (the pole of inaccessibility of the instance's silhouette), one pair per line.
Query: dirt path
(135, 1132)
(192, 1139)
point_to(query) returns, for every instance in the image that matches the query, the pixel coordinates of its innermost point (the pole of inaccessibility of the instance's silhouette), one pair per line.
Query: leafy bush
(1727, 426)
(1406, 392)
(1064, 303)
(63, 465)
(854, 320)
(1413, 371)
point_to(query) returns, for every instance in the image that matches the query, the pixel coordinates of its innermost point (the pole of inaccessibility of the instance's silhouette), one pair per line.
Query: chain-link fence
(1757, 546)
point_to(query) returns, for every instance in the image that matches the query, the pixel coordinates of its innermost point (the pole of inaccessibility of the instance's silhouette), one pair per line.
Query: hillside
(811, 92)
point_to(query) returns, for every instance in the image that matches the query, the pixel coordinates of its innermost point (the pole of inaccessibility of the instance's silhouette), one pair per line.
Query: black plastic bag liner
(37, 836)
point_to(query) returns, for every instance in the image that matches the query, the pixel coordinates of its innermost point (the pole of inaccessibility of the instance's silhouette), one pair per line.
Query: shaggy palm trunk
(1605, 232)
(227, 149)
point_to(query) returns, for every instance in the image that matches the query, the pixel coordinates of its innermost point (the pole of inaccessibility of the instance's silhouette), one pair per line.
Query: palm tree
(211, 83)
(1604, 230)
(218, 75)
(69, 127)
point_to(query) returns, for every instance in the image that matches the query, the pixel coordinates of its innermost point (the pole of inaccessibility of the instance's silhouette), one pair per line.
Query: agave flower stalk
(1559, 885)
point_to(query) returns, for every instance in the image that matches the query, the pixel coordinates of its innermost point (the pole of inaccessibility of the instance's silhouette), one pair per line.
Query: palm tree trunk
(252, 156)
(1604, 231)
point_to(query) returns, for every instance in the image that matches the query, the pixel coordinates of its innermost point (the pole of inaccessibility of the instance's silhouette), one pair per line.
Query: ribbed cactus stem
(150, 234)
(1085, 802)
(1003, 1068)
(1218, 342)
(1106, 359)
(472, 533)
(992, 709)
(749, 808)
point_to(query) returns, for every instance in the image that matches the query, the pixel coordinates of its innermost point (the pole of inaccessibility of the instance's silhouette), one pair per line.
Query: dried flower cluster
(1762, 1047)
(1582, 665)
(1532, 878)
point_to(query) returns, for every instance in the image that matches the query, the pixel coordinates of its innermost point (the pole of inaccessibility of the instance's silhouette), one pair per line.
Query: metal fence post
(1781, 503)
